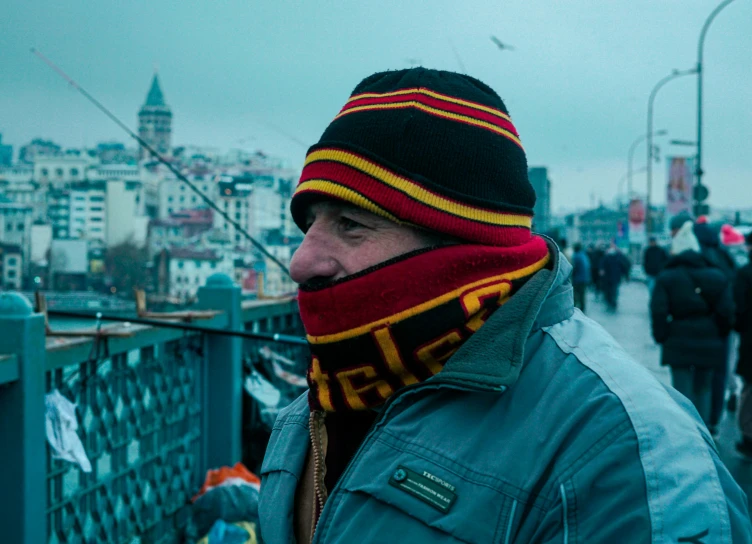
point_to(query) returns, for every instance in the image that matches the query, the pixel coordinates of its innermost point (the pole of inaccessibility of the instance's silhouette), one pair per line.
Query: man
(614, 268)
(455, 396)
(580, 276)
(653, 261)
(595, 254)
(743, 300)
(718, 256)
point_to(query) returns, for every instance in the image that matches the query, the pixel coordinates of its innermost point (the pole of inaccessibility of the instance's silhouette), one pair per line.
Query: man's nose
(315, 258)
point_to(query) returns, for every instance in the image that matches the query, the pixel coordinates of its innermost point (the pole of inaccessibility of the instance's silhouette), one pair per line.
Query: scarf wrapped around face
(398, 323)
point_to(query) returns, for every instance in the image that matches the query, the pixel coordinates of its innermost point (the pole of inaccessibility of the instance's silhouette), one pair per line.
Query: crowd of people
(600, 268)
(698, 299)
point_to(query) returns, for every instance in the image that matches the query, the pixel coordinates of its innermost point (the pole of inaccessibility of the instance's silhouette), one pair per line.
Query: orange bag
(228, 476)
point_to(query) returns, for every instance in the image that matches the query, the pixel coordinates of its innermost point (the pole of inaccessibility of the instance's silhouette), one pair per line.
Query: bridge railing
(155, 410)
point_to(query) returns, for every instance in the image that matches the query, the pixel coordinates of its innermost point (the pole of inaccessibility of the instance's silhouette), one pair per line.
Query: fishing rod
(258, 245)
(274, 337)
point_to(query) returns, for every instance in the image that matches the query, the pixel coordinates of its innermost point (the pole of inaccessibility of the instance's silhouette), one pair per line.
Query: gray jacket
(539, 429)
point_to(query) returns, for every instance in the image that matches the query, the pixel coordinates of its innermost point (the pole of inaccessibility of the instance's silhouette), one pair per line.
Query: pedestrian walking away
(580, 276)
(691, 313)
(743, 325)
(653, 261)
(595, 254)
(614, 269)
(718, 256)
(455, 395)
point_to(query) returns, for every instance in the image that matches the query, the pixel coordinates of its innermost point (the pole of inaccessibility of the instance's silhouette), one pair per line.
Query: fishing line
(258, 245)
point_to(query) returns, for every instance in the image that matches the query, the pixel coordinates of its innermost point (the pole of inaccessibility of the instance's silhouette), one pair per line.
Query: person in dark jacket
(580, 276)
(718, 256)
(714, 252)
(595, 254)
(614, 268)
(743, 325)
(653, 260)
(692, 313)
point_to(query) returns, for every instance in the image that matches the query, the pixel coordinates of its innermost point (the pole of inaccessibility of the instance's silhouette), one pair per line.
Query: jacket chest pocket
(396, 496)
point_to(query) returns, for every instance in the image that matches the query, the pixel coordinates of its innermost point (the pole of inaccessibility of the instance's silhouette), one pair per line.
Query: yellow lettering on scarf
(353, 394)
(435, 354)
(472, 302)
(389, 351)
(321, 379)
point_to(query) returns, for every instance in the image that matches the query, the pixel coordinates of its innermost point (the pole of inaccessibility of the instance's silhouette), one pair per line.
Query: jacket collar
(689, 258)
(493, 356)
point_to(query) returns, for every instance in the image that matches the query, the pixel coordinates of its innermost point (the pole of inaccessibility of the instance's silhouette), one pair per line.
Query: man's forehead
(331, 205)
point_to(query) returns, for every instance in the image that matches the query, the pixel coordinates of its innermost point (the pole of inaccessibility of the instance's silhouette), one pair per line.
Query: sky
(271, 75)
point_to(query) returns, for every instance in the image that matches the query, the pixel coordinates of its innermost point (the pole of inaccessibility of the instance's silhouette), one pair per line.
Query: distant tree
(126, 266)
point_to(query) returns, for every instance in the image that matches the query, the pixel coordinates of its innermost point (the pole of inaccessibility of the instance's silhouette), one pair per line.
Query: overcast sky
(265, 74)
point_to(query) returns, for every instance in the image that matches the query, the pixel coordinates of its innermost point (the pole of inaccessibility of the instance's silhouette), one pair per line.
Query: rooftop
(155, 96)
(196, 254)
(200, 216)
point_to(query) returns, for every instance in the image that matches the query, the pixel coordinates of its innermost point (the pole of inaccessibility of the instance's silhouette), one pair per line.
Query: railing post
(23, 464)
(224, 387)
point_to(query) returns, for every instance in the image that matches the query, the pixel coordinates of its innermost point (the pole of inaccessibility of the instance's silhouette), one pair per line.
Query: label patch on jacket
(425, 486)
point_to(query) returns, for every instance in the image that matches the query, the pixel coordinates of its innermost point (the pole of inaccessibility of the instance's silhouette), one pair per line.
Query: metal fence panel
(141, 424)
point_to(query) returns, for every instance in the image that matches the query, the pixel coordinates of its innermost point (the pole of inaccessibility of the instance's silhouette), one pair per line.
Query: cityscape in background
(109, 219)
(99, 222)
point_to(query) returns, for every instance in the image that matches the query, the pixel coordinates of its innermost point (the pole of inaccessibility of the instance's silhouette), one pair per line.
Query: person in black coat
(615, 267)
(595, 254)
(718, 256)
(692, 313)
(653, 261)
(743, 300)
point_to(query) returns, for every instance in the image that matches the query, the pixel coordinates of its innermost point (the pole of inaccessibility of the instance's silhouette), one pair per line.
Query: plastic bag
(229, 494)
(231, 533)
(235, 475)
(61, 425)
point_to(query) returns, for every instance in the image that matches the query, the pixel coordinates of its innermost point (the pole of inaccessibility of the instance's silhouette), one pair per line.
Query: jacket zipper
(319, 468)
(319, 416)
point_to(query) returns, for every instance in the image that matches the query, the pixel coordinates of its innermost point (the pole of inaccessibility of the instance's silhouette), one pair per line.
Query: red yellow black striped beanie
(425, 147)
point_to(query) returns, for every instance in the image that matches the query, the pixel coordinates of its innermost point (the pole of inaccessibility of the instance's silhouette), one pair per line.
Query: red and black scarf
(397, 324)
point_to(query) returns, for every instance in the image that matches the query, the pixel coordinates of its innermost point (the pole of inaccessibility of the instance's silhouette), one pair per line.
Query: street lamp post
(675, 74)
(700, 46)
(626, 177)
(630, 158)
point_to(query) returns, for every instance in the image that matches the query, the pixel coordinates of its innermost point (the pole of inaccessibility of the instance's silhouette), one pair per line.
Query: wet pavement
(630, 325)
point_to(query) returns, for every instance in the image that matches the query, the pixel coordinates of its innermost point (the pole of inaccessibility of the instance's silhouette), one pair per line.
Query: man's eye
(348, 224)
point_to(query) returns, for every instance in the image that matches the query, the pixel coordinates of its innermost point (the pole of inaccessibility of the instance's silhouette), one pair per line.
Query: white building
(125, 172)
(41, 243)
(87, 210)
(276, 282)
(20, 173)
(60, 170)
(58, 212)
(11, 267)
(258, 201)
(124, 213)
(175, 196)
(15, 226)
(189, 269)
(235, 200)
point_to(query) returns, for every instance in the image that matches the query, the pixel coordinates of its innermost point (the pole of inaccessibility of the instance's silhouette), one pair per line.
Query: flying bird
(501, 45)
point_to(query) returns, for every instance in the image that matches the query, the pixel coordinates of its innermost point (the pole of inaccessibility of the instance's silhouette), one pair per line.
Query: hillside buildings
(64, 210)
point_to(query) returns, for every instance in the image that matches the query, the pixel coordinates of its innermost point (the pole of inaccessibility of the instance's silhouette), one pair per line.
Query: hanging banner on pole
(679, 188)
(636, 221)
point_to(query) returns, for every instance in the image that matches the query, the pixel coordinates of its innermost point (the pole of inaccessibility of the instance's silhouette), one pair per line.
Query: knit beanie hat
(678, 221)
(429, 148)
(685, 240)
